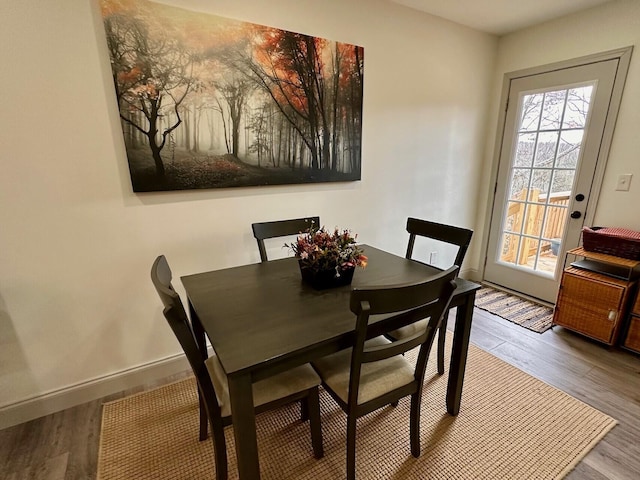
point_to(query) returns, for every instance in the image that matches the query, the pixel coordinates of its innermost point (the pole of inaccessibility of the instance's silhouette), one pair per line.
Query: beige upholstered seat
(376, 378)
(265, 391)
(410, 330)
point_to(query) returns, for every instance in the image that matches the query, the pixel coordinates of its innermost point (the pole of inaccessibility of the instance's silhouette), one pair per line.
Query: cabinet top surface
(602, 257)
(600, 278)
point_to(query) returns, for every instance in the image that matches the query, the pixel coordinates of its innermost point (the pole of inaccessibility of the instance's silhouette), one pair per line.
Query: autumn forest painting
(210, 102)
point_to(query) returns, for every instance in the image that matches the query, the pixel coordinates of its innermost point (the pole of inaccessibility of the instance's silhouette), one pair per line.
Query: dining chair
(460, 237)
(297, 384)
(374, 373)
(281, 228)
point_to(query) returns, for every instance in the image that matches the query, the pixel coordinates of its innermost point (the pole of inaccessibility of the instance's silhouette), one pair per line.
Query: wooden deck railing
(531, 222)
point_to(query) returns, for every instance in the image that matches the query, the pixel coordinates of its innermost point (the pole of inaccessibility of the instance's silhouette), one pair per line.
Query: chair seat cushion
(411, 329)
(287, 383)
(376, 378)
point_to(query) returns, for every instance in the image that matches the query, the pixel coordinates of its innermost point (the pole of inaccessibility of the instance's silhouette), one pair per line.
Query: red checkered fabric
(619, 232)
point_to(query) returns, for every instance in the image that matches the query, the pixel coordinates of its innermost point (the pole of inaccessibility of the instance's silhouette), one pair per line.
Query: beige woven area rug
(518, 310)
(511, 426)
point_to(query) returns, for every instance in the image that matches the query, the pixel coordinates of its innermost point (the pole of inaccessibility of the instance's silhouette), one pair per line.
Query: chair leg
(351, 447)
(219, 449)
(414, 424)
(442, 335)
(304, 410)
(315, 424)
(204, 419)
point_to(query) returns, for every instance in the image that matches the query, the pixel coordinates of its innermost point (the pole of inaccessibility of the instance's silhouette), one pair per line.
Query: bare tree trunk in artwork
(280, 139)
(187, 129)
(196, 128)
(152, 137)
(235, 135)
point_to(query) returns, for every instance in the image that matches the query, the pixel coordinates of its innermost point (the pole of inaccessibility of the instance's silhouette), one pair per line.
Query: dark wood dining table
(262, 319)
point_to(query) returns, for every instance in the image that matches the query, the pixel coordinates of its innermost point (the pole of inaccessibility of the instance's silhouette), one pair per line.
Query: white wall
(608, 27)
(76, 303)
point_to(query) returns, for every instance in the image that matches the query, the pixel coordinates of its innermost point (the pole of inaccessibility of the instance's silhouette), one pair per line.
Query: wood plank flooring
(64, 445)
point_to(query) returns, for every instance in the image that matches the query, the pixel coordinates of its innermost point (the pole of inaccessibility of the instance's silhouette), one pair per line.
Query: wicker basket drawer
(632, 339)
(592, 304)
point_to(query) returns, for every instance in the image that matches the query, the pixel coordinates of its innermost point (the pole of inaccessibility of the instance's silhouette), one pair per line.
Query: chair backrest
(161, 277)
(176, 316)
(441, 232)
(281, 228)
(409, 303)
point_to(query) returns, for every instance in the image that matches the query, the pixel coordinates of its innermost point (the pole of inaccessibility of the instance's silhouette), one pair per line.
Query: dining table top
(264, 313)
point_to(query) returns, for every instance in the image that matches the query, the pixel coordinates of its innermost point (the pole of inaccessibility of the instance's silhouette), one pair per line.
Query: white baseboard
(471, 274)
(51, 402)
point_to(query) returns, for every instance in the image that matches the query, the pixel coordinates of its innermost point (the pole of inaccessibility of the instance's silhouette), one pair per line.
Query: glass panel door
(549, 141)
(552, 140)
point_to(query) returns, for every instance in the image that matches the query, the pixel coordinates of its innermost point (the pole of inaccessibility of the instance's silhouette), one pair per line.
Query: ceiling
(500, 16)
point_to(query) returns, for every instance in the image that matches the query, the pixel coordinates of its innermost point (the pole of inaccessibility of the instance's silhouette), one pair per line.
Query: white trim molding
(57, 400)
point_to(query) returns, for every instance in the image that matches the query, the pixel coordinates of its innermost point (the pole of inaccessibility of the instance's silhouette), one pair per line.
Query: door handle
(576, 214)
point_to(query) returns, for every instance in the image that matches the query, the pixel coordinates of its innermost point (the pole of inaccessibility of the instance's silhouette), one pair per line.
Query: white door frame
(624, 56)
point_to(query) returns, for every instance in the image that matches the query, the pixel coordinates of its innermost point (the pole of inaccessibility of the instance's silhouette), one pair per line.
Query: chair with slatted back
(281, 228)
(460, 237)
(298, 384)
(161, 277)
(375, 373)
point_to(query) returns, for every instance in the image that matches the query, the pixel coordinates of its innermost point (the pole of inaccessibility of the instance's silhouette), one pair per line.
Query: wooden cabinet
(592, 304)
(595, 294)
(632, 336)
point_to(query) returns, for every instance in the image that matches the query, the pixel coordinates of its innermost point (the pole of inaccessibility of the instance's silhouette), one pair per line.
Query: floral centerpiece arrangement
(327, 258)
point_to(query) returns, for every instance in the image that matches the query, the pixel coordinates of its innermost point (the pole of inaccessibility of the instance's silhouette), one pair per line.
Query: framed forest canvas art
(210, 102)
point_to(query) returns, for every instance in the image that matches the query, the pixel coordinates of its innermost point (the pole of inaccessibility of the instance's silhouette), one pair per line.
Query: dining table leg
(244, 426)
(462, 332)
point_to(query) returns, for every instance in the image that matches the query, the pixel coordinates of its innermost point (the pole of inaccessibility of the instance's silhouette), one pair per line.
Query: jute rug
(518, 310)
(510, 426)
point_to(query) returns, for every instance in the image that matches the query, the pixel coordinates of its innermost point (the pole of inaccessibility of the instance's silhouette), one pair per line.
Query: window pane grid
(549, 139)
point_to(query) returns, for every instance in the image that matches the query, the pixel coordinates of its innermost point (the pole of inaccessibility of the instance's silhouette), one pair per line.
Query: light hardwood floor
(65, 445)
